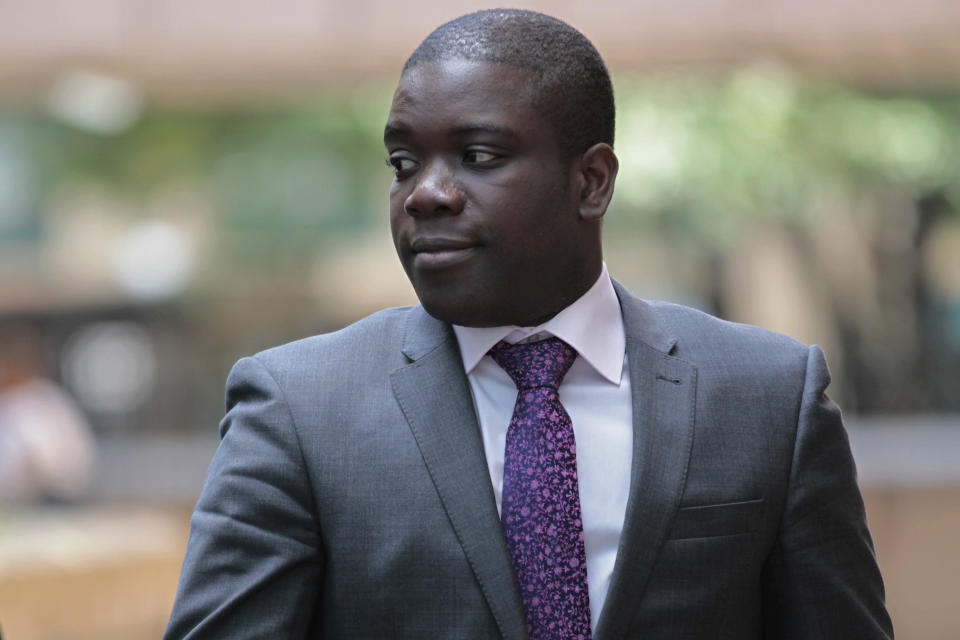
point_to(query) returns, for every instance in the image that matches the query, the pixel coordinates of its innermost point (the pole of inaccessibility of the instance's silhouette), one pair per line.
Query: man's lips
(440, 252)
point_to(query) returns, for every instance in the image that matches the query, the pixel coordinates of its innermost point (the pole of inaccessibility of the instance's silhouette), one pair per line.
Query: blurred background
(184, 183)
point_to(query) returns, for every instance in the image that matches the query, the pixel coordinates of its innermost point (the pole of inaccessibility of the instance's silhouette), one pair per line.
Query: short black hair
(572, 86)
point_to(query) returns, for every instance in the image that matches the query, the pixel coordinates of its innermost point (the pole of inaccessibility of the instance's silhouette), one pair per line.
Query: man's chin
(464, 311)
(453, 314)
(476, 312)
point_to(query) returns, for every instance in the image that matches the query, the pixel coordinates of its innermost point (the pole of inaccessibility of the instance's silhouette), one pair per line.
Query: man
(389, 480)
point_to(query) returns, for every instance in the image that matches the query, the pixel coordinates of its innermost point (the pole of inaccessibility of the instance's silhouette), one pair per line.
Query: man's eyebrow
(397, 130)
(492, 129)
(393, 130)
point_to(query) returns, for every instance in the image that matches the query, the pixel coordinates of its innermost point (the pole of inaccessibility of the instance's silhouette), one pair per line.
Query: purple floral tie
(541, 499)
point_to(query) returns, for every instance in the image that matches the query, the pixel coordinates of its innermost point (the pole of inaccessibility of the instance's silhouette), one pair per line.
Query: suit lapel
(663, 389)
(434, 396)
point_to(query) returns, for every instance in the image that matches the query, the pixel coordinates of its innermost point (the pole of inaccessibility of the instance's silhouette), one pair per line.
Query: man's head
(500, 136)
(570, 85)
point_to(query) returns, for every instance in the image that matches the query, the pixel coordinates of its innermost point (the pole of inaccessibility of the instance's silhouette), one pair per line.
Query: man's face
(484, 209)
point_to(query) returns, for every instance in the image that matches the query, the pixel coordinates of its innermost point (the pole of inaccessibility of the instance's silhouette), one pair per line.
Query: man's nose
(435, 193)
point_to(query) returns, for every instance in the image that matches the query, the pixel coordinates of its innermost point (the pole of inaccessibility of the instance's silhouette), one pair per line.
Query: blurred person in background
(659, 474)
(47, 448)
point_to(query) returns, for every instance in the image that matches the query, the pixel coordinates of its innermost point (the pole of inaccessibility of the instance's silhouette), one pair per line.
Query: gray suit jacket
(350, 497)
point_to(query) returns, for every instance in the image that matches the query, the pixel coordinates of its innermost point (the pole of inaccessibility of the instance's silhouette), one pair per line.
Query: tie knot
(535, 364)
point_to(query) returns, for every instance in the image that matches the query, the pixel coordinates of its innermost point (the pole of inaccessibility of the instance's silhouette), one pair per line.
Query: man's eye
(478, 157)
(401, 165)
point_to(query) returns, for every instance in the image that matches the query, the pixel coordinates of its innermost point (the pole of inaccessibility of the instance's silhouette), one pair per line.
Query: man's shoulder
(686, 319)
(701, 336)
(374, 336)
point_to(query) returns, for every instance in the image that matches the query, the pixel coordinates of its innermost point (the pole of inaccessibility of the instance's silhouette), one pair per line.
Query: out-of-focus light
(652, 145)
(759, 101)
(154, 260)
(95, 102)
(110, 366)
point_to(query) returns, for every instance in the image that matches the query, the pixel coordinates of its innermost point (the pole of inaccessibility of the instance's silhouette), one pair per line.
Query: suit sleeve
(822, 580)
(253, 563)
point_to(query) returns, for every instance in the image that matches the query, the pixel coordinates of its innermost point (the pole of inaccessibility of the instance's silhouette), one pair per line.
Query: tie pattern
(540, 513)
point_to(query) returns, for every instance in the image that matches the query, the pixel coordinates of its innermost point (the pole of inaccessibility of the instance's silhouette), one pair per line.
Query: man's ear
(598, 172)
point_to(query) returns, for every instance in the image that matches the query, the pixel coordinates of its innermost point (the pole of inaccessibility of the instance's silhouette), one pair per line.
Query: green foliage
(278, 169)
(720, 154)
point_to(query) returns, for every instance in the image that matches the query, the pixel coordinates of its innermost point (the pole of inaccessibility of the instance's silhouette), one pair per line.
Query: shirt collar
(592, 324)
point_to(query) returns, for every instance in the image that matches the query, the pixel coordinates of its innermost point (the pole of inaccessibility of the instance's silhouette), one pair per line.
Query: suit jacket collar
(642, 323)
(445, 426)
(423, 333)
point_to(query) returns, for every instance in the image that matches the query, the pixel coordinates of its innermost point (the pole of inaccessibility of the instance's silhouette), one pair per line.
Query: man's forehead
(468, 95)
(466, 70)
(465, 81)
